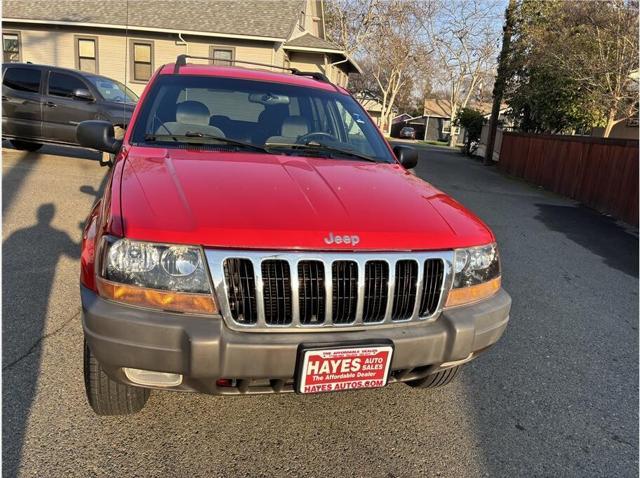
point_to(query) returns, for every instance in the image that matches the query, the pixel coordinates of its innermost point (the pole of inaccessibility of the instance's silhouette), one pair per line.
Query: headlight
(155, 275)
(476, 274)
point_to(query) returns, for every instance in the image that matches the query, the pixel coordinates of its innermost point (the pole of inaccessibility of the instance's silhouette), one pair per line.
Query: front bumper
(204, 349)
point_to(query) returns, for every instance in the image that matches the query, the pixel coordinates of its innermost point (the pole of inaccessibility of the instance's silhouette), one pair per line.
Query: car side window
(61, 84)
(352, 122)
(321, 121)
(23, 79)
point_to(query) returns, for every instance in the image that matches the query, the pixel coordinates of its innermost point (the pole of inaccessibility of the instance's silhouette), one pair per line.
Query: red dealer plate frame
(332, 368)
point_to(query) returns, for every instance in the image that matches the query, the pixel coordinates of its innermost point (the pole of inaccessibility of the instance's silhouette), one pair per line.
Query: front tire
(25, 145)
(438, 379)
(106, 396)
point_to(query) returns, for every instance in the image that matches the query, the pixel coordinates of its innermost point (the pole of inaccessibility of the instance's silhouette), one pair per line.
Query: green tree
(472, 122)
(569, 65)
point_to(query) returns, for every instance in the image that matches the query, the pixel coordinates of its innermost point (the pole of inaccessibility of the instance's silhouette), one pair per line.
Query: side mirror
(82, 94)
(407, 156)
(97, 134)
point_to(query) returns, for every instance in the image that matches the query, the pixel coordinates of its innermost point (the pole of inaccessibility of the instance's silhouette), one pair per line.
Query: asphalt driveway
(558, 396)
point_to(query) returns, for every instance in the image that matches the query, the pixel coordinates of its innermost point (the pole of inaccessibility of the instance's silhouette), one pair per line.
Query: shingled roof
(272, 19)
(309, 41)
(441, 108)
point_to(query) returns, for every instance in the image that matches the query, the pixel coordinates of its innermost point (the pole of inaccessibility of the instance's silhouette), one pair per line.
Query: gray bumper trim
(205, 348)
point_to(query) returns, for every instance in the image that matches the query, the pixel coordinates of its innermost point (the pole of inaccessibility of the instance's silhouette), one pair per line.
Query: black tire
(106, 396)
(437, 379)
(25, 145)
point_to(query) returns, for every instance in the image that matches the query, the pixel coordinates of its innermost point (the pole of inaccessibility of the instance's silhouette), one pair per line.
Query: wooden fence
(601, 173)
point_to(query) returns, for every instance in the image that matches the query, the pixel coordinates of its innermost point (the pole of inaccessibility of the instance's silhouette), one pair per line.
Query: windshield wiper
(189, 135)
(320, 147)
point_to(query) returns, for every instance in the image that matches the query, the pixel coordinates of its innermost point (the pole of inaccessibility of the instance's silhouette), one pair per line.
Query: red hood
(248, 200)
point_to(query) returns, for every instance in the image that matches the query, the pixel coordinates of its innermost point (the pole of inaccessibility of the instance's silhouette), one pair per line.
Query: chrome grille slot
(276, 280)
(376, 291)
(241, 288)
(311, 292)
(404, 294)
(319, 291)
(345, 291)
(432, 286)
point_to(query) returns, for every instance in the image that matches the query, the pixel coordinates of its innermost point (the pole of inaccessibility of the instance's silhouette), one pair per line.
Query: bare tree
(464, 35)
(351, 23)
(397, 56)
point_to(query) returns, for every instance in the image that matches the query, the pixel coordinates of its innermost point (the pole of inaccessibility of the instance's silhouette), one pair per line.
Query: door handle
(50, 104)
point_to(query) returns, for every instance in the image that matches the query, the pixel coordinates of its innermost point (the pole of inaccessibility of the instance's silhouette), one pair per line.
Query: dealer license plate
(344, 368)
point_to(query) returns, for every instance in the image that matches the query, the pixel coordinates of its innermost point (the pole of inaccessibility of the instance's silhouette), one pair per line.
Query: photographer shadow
(29, 262)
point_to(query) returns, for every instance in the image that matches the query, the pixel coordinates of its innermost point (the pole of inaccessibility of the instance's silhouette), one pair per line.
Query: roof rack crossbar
(313, 74)
(182, 61)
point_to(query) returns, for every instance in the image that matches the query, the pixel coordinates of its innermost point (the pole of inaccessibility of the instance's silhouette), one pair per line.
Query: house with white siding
(129, 40)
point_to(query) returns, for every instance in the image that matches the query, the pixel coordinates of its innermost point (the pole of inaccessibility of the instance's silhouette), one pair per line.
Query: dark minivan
(44, 104)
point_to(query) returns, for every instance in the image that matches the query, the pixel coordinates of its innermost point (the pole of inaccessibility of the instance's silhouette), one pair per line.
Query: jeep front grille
(241, 289)
(345, 291)
(276, 280)
(323, 290)
(433, 272)
(311, 292)
(404, 294)
(376, 290)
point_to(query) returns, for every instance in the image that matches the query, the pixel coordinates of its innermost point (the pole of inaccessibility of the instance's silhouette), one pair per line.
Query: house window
(222, 56)
(142, 60)
(11, 47)
(301, 19)
(87, 54)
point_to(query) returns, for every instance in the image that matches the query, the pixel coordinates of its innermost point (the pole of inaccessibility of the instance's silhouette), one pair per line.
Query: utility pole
(498, 87)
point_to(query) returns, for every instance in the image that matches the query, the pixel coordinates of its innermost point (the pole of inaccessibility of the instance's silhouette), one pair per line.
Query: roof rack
(182, 61)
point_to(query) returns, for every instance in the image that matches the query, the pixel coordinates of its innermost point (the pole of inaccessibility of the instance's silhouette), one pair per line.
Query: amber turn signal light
(474, 293)
(157, 299)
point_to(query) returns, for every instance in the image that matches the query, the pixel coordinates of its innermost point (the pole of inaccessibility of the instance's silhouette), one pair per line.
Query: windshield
(270, 117)
(112, 90)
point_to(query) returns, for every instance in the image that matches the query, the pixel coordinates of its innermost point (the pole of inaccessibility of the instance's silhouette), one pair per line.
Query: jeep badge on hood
(353, 240)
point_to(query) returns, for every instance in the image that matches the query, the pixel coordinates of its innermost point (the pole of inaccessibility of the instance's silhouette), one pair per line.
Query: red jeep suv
(258, 235)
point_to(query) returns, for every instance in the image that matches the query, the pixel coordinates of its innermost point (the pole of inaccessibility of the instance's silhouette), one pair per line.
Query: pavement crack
(35, 346)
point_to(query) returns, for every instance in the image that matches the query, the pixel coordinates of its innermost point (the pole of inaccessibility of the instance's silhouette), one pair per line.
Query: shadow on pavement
(96, 194)
(92, 191)
(595, 232)
(59, 150)
(558, 394)
(13, 180)
(29, 262)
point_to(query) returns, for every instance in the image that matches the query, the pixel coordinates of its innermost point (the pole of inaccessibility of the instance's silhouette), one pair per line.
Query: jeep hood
(263, 201)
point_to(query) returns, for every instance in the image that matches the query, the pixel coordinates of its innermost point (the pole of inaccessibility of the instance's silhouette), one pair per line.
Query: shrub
(472, 121)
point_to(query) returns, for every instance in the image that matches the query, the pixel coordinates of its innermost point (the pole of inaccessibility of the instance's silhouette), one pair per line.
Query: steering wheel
(307, 138)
